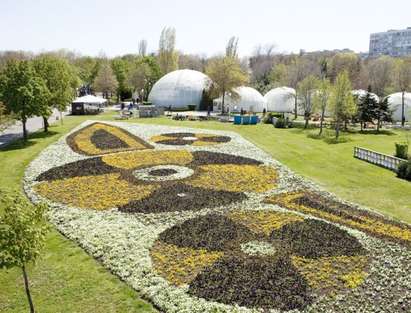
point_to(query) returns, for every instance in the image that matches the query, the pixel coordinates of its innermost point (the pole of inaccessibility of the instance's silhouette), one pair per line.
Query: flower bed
(207, 222)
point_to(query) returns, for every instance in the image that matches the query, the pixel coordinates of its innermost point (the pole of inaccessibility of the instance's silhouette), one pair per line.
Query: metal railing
(384, 160)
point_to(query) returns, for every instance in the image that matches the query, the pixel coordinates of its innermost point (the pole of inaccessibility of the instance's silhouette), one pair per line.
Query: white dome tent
(395, 104)
(179, 89)
(281, 99)
(361, 93)
(249, 100)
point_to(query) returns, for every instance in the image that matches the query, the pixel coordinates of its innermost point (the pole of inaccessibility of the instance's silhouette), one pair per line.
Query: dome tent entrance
(179, 89)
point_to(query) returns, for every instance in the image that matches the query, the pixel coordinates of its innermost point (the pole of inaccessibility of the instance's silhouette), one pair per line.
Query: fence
(377, 158)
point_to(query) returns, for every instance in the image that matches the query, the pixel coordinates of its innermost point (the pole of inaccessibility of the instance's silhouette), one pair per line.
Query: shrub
(268, 118)
(401, 150)
(192, 107)
(404, 170)
(280, 123)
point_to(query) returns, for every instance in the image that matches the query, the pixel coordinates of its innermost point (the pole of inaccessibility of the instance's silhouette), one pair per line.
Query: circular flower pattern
(256, 259)
(156, 181)
(193, 139)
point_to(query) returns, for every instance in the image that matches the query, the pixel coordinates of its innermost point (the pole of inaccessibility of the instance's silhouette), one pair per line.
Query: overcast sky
(115, 27)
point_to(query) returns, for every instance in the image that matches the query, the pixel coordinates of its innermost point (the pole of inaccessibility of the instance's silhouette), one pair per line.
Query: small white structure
(87, 105)
(179, 89)
(249, 100)
(361, 93)
(281, 99)
(395, 103)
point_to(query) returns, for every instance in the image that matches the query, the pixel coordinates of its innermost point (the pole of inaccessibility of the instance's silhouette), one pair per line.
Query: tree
(380, 75)
(120, 69)
(61, 81)
(321, 99)
(6, 119)
(365, 108)
(297, 71)
(23, 230)
(306, 90)
(24, 93)
(105, 81)
(402, 80)
(349, 62)
(342, 101)
(142, 48)
(226, 74)
(167, 55)
(382, 112)
(138, 78)
(231, 49)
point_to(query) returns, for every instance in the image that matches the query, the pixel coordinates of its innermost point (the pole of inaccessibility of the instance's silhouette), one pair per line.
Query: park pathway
(33, 124)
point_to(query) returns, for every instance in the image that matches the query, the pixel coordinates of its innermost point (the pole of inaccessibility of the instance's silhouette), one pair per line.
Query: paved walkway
(33, 124)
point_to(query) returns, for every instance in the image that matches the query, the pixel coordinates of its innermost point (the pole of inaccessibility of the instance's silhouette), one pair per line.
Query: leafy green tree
(23, 230)
(167, 54)
(23, 91)
(321, 99)
(365, 108)
(306, 91)
(61, 81)
(138, 78)
(6, 119)
(342, 102)
(87, 68)
(120, 68)
(226, 74)
(105, 82)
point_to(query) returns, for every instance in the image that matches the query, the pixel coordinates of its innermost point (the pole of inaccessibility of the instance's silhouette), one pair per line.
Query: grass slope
(65, 279)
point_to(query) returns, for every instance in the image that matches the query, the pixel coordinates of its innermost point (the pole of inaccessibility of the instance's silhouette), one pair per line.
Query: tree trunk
(306, 122)
(321, 122)
(337, 130)
(45, 124)
(222, 104)
(296, 106)
(362, 126)
(61, 117)
(378, 124)
(403, 110)
(23, 121)
(27, 288)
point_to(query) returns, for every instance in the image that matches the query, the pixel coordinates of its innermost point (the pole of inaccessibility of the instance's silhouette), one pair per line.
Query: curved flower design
(259, 259)
(155, 181)
(100, 138)
(193, 139)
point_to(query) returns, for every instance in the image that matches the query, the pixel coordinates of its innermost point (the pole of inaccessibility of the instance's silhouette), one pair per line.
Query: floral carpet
(204, 221)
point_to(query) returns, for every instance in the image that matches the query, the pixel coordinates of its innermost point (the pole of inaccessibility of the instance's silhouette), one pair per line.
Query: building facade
(394, 43)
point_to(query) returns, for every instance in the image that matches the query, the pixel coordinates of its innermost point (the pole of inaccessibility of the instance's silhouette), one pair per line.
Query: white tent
(281, 99)
(361, 93)
(249, 100)
(179, 89)
(395, 103)
(89, 99)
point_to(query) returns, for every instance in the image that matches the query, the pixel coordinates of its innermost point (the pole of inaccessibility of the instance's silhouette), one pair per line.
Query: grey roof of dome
(179, 89)
(395, 103)
(280, 99)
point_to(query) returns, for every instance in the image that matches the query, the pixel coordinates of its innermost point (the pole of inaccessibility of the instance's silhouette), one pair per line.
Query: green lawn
(66, 279)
